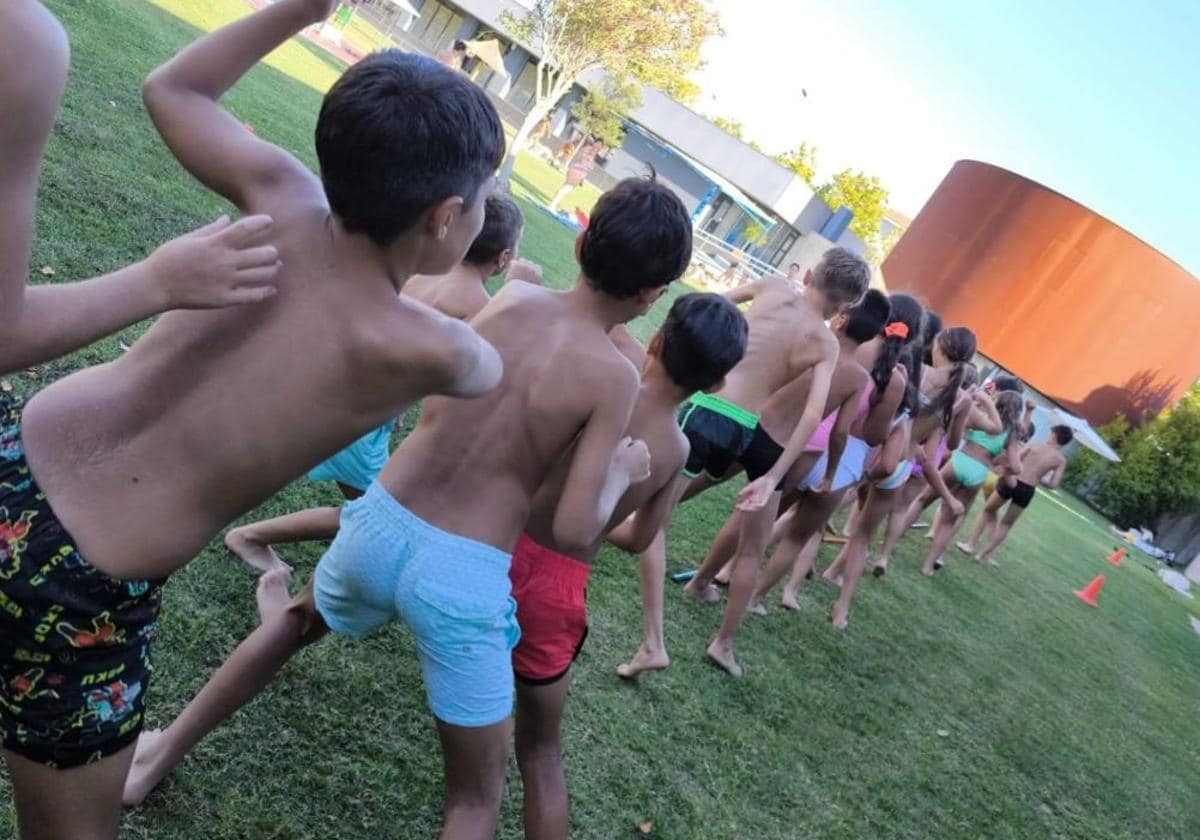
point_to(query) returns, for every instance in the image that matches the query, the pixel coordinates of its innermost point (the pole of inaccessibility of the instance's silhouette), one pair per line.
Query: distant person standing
(455, 57)
(577, 172)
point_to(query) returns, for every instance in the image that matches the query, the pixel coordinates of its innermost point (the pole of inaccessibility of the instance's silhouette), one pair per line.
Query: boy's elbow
(572, 535)
(154, 90)
(477, 366)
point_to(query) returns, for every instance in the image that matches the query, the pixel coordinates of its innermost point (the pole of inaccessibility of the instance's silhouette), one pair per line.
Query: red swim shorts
(551, 594)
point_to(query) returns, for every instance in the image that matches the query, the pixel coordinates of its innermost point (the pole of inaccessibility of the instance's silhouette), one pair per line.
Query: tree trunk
(521, 140)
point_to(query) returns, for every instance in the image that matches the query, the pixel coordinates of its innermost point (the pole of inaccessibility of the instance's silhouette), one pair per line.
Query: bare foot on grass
(706, 593)
(272, 593)
(721, 655)
(788, 600)
(644, 660)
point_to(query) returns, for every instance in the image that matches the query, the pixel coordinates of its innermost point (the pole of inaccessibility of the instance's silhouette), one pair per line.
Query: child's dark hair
(397, 134)
(958, 346)
(502, 224)
(1062, 434)
(639, 237)
(866, 319)
(703, 337)
(933, 326)
(1004, 382)
(1009, 406)
(901, 331)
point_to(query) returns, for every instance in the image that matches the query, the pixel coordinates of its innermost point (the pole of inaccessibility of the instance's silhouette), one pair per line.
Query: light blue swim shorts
(359, 463)
(452, 592)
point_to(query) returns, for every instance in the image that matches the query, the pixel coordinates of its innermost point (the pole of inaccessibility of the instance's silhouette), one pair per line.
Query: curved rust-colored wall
(1078, 307)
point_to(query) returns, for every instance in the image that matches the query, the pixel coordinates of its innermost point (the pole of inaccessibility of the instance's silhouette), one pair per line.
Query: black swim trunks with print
(74, 642)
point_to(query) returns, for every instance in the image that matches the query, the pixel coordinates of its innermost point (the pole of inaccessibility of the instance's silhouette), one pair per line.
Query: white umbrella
(1084, 433)
(489, 53)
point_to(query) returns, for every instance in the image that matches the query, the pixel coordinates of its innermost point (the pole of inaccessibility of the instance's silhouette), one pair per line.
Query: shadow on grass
(321, 53)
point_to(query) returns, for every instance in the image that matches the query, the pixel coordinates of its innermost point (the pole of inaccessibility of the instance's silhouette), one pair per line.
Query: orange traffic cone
(1116, 557)
(1088, 593)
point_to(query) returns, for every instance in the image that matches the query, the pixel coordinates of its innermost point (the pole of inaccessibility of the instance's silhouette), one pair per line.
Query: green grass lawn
(981, 703)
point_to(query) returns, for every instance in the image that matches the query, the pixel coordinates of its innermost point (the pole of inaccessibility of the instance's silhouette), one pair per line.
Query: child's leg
(879, 502)
(946, 524)
(701, 586)
(809, 518)
(1000, 532)
(800, 571)
(253, 542)
(539, 755)
(475, 760)
(898, 524)
(82, 802)
(986, 522)
(720, 553)
(754, 532)
(652, 654)
(242, 677)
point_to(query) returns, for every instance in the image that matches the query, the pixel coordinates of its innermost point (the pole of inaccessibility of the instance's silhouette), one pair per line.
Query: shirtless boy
(702, 338)
(1041, 463)
(788, 337)
(222, 264)
(158, 439)
(848, 391)
(430, 541)
(356, 466)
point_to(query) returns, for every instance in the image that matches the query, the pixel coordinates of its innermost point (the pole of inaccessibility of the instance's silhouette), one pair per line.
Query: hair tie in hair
(896, 329)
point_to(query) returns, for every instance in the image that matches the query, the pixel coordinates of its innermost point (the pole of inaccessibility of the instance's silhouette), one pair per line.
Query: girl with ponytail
(946, 407)
(897, 377)
(992, 439)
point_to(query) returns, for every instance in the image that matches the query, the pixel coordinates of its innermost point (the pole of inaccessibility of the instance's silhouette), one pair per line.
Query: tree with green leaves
(802, 160)
(655, 42)
(730, 126)
(1159, 472)
(863, 194)
(599, 112)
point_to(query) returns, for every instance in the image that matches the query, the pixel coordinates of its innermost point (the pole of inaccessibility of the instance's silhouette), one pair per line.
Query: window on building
(781, 248)
(524, 88)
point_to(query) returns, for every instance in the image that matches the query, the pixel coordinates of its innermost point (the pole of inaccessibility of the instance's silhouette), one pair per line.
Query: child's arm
(755, 495)
(879, 419)
(745, 292)
(837, 440)
(984, 415)
(640, 529)
(927, 457)
(1057, 476)
(46, 321)
(182, 95)
(219, 265)
(603, 465)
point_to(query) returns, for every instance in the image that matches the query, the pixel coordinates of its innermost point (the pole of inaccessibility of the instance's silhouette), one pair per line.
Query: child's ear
(504, 260)
(654, 348)
(579, 245)
(442, 216)
(647, 297)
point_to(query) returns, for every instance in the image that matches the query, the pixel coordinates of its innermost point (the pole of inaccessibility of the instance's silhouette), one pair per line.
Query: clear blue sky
(1098, 100)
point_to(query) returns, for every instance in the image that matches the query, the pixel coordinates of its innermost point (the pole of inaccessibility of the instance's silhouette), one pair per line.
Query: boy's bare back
(1038, 460)
(212, 412)
(786, 338)
(560, 371)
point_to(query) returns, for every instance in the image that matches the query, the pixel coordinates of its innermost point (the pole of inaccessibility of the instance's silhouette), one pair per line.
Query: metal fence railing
(721, 266)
